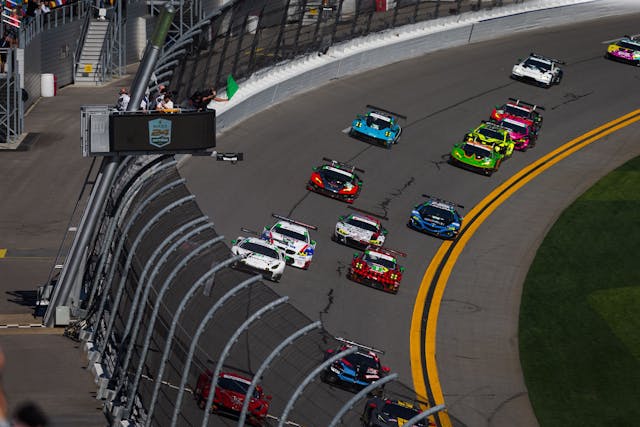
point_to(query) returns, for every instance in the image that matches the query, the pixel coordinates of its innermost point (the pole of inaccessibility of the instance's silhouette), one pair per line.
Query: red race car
(519, 110)
(377, 267)
(337, 180)
(230, 394)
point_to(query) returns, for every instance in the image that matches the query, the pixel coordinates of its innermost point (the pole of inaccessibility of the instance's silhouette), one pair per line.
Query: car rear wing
(355, 344)
(366, 212)
(382, 110)
(342, 165)
(548, 58)
(446, 202)
(293, 221)
(527, 104)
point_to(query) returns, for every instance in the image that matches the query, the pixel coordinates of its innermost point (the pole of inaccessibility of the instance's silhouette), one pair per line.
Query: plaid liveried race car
(476, 157)
(259, 256)
(378, 126)
(356, 370)
(519, 110)
(337, 180)
(231, 391)
(538, 69)
(385, 412)
(436, 217)
(293, 239)
(359, 231)
(492, 134)
(522, 134)
(378, 268)
(627, 49)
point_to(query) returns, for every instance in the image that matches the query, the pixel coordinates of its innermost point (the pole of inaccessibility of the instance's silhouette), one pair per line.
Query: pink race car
(521, 132)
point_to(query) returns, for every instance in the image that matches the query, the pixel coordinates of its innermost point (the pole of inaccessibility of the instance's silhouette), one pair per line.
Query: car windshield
(474, 150)
(514, 126)
(515, 111)
(236, 386)
(362, 224)
(362, 360)
(436, 214)
(398, 411)
(628, 45)
(335, 176)
(291, 233)
(377, 259)
(260, 249)
(490, 133)
(533, 62)
(377, 123)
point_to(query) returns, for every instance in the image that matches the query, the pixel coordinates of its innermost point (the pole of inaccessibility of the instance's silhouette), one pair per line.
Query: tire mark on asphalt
(384, 205)
(571, 97)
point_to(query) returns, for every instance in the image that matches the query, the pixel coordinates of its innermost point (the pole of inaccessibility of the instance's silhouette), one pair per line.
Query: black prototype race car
(382, 412)
(337, 180)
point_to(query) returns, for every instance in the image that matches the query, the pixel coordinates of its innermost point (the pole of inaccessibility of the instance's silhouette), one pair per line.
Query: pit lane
(283, 143)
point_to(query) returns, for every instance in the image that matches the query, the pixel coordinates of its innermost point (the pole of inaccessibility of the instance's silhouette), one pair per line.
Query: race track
(443, 94)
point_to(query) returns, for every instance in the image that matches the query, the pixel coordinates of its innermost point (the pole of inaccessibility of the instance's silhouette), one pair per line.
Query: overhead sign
(144, 132)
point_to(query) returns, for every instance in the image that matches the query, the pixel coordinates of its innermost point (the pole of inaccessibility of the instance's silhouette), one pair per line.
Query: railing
(11, 106)
(58, 16)
(80, 44)
(103, 72)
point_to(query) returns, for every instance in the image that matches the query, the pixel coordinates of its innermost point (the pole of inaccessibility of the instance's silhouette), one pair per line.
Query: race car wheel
(276, 278)
(201, 402)
(488, 172)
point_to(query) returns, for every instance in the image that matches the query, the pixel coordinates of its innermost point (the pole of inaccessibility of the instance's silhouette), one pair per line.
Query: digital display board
(149, 132)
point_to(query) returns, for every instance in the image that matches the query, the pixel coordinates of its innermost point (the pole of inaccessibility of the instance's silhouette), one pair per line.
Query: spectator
(144, 104)
(44, 9)
(123, 100)
(210, 97)
(166, 104)
(162, 90)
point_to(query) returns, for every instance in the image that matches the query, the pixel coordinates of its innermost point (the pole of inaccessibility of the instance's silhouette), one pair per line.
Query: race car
(385, 412)
(538, 69)
(378, 126)
(259, 256)
(489, 133)
(519, 110)
(521, 133)
(378, 268)
(231, 391)
(356, 370)
(436, 217)
(359, 231)
(293, 239)
(476, 157)
(627, 49)
(337, 180)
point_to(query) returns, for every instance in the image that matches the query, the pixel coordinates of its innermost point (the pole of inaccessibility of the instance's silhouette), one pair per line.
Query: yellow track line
(475, 218)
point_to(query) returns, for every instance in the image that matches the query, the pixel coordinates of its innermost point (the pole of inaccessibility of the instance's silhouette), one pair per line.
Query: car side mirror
(372, 405)
(233, 242)
(313, 242)
(401, 268)
(268, 397)
(355, 255)
(340, 218)
(386, 369)
(384, 231)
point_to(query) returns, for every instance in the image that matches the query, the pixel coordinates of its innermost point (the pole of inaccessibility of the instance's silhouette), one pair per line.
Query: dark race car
(381, 412)
(377, 267)
(229, 396)
(337, 180)
(519, 110)
(356, 370)
(436, 217)
(378, 126)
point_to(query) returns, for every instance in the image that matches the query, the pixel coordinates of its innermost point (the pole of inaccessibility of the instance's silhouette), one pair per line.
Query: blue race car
(378, 126)
(436, 217)
(356, 370)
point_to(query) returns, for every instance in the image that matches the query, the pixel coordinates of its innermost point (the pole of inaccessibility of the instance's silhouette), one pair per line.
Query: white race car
(293, 239)
(359, 231)
(538, 69)
(259, 256)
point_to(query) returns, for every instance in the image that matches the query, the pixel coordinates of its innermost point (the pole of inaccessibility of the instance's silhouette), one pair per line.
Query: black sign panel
(183, 132)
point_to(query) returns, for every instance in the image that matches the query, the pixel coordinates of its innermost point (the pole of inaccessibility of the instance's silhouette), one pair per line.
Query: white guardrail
(275, 84)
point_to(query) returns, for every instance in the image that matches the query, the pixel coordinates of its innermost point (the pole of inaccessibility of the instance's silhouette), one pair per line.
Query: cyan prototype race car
(337, 180)
(627, 49)
(259, 256)
(359, 231)
(293, 239)
(356, 370)
(436, 217)
(378, 126)
(538, 69)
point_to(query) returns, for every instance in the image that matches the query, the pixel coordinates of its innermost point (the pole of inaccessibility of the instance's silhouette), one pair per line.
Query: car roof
(380, 116)
(259, 241)
(540, 58)
(516, 122)
(631, 40)
(440, 204)
(293, 227)
(338, 170)
(235, 377)
(380, 255)
(520, 106)
(366, 219)
(477, 144)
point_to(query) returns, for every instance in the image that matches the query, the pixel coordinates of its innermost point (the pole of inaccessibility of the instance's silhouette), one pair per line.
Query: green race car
(477, 157)
(493, 135)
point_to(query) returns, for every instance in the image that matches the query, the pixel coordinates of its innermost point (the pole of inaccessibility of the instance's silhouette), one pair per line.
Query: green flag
(232, 86)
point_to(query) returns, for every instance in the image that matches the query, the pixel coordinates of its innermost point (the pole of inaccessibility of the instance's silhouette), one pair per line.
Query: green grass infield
(580, 311)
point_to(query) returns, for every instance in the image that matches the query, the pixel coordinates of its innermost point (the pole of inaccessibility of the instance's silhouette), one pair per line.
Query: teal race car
(378, 126)
(476, 157)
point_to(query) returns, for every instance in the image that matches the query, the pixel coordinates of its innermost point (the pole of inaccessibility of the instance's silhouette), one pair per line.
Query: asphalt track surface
(444, 94)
